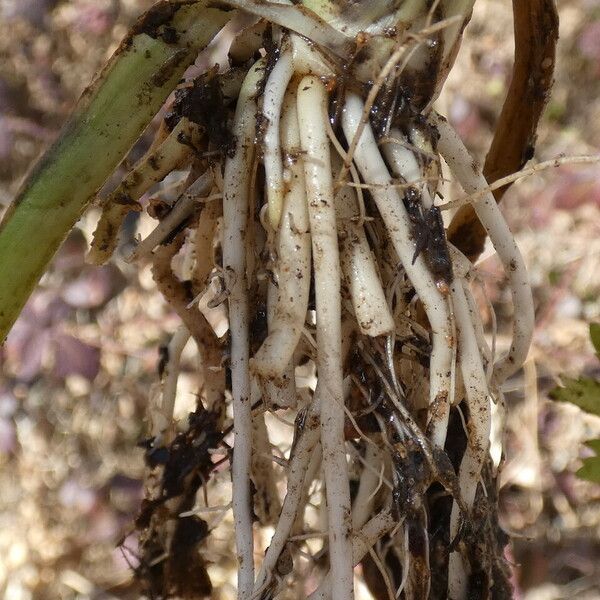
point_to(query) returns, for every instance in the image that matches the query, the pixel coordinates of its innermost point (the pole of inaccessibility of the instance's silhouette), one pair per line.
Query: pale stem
(298, 19)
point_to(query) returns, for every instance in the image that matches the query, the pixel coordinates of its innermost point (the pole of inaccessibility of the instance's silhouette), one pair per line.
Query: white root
(281, 393)
(152, 168)
(313, 472)
(293, 261)
(464, 269)
(553, 163)
(297, 482)
(235, 215)
(360, 272)
(162, 416)
(370, 481)
(355, 183)
(374, 171)
(468, 173)
(404, 164)
(484, 347)
(478, 428)
(312, 113)
(358, 255)
(362, 542)
(362, 122)
(276, 85)
(401, 157)
(264, 477)
(182, 209)
(206, 232)
(413, 45)
(299, 19)
(308, 59)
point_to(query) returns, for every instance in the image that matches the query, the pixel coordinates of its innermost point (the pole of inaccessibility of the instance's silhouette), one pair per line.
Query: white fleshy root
(362, 542)
(235, 215)
(369, 338)
(276, 85)
(478, 428)
(181, 210)
(297, 482)
(389, 203)
(162, 416)
(468, 173)
(370, 482)
(312, 113)
(404, 164)
(360, 272)
(293, 261)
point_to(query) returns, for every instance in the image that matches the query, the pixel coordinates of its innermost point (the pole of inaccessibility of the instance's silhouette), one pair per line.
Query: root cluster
(307, 218)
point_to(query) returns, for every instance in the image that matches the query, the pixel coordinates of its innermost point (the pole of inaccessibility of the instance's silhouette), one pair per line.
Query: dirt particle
(155, 22)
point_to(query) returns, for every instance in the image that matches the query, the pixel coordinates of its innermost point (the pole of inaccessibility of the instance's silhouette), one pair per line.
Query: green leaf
(595, 336)
(591, 466)
(109, 118)
(594, 445)
(583, 392)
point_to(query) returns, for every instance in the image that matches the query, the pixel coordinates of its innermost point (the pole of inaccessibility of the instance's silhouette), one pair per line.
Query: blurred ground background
(79, 366)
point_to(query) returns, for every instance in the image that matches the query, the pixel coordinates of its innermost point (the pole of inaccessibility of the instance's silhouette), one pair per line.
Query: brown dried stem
(536, 34)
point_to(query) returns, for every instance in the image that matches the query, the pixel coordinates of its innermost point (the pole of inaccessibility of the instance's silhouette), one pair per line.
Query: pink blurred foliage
(540, 207)
(514, 571)
(589, 44)
(104, 526)
(37, 343)
(126, 555)
(30, 341)
(577, 187)
(94, 287)
(34, 11)
(6, 139)
(8, 436)
(93, 19)
(74, 357)
(565, 188)
(40, 342)
(112, 507)
(465, 117)
(73, 495)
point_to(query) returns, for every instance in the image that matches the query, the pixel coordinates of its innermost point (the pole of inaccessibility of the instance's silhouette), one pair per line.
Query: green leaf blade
(590, 470)
(595, 336)
(109, 118)
(583, 392)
